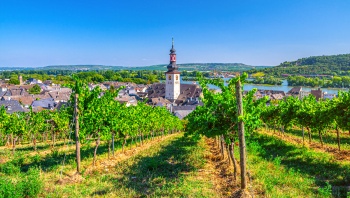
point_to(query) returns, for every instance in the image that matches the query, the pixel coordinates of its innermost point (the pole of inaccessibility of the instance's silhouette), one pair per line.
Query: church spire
(172, 65)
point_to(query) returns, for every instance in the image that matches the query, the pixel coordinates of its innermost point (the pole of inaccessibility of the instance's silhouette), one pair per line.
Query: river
(284, 87)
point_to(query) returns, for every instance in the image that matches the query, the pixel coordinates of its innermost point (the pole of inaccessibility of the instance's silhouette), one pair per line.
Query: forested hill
(321, 65)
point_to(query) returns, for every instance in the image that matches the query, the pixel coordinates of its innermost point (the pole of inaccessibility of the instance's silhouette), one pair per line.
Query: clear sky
(139, 32)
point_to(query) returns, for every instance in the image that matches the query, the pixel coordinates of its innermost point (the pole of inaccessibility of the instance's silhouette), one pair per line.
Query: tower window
(177, 77)
(169, 77)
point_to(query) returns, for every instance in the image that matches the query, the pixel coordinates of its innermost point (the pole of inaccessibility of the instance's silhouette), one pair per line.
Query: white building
(303, 94)
(328, 96)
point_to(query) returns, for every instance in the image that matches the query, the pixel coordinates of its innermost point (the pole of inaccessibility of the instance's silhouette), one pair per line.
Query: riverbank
(284, 87)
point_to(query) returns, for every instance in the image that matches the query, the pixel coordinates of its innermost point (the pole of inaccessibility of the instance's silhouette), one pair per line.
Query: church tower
(172, 83)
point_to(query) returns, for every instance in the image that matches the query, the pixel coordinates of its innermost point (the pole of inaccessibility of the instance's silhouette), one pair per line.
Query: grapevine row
(101, 118)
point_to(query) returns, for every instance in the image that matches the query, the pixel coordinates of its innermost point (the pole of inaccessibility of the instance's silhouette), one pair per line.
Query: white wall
(172, 86)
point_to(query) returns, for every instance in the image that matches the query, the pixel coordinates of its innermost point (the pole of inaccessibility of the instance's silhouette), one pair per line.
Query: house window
(169, 77)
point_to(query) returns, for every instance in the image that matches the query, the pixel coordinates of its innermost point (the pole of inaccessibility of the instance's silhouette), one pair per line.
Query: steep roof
(11, 106)
(295, 91)
(25, 100)
(17, 92)
(182, 113)
(183, 108)
(58, 96)
(47, 103)
(189, 91)
(160, 101)
(156, 90)
(41, 96)
(186, 91)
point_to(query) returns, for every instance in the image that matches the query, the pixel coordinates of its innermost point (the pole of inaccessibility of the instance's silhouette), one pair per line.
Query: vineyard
(278, 136)
(232, 146)
(93, 120)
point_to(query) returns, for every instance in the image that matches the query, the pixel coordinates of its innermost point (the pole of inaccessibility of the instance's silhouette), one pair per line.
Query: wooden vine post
(77, 143)
(242, 149)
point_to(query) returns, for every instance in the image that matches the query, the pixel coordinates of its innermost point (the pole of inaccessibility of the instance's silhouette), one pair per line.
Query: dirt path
(343, 155)
(221, 171)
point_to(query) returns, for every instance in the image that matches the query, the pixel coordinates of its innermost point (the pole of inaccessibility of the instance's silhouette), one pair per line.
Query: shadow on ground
(313, 164)
(327, 139)
(152, 175)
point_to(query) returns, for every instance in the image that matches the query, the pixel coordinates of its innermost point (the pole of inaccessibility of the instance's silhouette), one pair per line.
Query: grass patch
(282, 169)
(21, 184)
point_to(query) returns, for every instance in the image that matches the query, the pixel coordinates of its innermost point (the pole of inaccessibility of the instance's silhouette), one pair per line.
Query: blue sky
(137, 33)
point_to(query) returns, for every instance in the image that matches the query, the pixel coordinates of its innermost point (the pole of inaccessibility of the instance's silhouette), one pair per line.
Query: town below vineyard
(77, 135)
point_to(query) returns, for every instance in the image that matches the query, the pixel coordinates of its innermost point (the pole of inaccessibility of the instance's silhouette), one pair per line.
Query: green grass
(51, 159)
(167, 169)
(281, 169)
(329, 138)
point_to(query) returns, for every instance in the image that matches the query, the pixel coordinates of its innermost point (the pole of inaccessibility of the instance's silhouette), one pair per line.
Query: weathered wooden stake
(302, 128)
(338, 137)
(77, 143)
(113, 144)
(242, 149)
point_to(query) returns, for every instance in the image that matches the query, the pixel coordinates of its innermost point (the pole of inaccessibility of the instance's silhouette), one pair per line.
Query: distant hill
(236, 67)
(203, 67)
(314, 65)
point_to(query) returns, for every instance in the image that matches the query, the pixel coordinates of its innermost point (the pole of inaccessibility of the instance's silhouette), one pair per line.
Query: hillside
(236, 67)
(314, 65)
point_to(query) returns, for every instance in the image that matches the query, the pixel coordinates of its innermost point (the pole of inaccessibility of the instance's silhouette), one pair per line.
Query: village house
(317, 93)
(48, 103)
(33, 81)
(304, 94)
(295, 92)
(60, 97)
(182, 111)
(127, 100)
(329, 96)
(160, 102)
(11, 106)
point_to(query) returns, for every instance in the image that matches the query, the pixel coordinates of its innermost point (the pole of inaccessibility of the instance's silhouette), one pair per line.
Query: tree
(36, 89)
